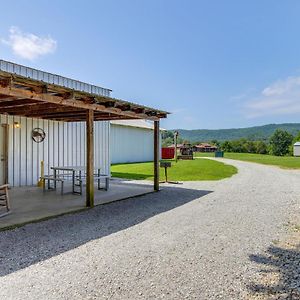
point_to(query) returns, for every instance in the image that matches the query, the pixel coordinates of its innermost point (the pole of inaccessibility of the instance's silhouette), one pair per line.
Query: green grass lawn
(289, 162)
(183, 170)
(204, 154)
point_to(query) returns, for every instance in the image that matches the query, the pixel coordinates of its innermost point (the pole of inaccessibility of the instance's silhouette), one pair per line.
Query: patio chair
(4, 200)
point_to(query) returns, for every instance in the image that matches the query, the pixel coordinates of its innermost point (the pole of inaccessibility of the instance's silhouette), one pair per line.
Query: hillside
(252, 133)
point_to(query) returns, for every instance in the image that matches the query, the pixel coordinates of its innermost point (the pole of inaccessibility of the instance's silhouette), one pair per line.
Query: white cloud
(280, 98)
(29, 46)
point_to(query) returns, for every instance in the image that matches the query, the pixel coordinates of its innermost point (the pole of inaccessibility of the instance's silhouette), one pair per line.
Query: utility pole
(175, 144)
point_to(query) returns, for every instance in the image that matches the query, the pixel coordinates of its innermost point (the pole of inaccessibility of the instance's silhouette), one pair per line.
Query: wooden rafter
(31, 98)
(31, 95)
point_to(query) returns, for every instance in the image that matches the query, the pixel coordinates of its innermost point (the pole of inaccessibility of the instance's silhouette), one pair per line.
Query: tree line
(279, 144)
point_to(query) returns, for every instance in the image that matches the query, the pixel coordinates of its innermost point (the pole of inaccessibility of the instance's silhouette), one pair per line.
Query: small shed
(297, 149)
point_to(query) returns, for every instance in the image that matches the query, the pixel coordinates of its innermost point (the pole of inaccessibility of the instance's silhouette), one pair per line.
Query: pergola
(23, 96)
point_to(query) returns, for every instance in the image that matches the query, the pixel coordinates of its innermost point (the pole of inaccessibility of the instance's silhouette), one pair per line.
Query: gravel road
(198, 240)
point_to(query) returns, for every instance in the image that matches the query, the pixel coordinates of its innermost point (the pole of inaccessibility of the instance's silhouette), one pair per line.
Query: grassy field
(188, 170)
(288, 162)
(204, 154)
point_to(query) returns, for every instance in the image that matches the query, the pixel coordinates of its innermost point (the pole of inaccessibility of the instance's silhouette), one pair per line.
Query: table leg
(73, 181)
(106, 183)
(54, 184)
(98, 179)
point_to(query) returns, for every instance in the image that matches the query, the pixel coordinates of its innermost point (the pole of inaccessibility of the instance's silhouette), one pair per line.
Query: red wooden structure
(167, 153)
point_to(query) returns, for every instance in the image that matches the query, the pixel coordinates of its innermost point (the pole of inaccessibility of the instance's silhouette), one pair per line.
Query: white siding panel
(130, 144)
(64, 145)
(296, 150)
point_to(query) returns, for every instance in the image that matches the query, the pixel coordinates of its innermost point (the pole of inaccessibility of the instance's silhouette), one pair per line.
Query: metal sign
(165, 164)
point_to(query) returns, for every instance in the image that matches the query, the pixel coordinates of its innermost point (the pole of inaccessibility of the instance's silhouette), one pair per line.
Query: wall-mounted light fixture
(17, 125)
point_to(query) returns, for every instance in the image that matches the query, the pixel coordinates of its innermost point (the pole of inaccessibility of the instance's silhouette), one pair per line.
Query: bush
(280, 142)
(245, 146)
(261, 147)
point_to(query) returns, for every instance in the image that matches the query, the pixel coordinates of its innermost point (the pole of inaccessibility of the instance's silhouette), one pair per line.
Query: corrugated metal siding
(52, 78)
(64, 145)
(130, 144)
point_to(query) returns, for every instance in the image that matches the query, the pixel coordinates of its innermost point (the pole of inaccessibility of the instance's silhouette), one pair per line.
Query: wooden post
(90, 158)
(156, 155)
(175, 144)
(5, 151)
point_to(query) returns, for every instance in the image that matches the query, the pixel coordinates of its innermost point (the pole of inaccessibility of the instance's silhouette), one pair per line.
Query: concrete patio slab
(31, 204)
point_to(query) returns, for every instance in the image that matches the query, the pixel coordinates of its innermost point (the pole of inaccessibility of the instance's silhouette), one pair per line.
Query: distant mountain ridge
(252, 133)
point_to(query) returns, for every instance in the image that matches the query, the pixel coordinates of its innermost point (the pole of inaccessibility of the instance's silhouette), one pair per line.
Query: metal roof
(37, 94)
(47, 77)
(297, 144)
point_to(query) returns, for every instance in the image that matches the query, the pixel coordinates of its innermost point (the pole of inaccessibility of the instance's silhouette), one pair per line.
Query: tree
(261, 147)
(297, 138)
(226, 146)
(280, 142)
(167, 142)
(239, 146)
(215, 142)
(167, 134)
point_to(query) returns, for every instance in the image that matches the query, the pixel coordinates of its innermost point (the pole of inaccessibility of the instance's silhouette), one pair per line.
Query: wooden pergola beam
(4, 97)
(90, 158)
(18, 102)
(82, 118)
(36, 108)
(156, 149)
(44, 97)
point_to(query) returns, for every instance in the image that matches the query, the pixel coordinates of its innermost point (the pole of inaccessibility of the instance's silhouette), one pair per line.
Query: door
(3, 154)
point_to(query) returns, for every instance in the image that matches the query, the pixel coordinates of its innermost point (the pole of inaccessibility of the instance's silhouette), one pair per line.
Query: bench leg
(73, 182)
(98, 173)
(106, 184)
(62, 187)
(7, 200)
(54, 183)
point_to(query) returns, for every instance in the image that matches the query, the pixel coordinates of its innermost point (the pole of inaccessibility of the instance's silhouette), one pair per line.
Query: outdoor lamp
(17, 125)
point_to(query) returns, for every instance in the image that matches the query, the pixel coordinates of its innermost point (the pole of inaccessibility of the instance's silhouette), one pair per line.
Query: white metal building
(118, 142)
(64, 144)
(131, 141)
(297, 149)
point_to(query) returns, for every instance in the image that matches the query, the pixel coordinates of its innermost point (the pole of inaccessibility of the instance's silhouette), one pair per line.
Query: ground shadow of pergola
(53, 237)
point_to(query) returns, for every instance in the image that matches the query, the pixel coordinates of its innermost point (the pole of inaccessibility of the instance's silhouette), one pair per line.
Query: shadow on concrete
(285, 264)
(33, 243)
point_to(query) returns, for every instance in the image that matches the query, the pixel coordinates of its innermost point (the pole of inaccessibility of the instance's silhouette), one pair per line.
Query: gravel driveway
(198, 240)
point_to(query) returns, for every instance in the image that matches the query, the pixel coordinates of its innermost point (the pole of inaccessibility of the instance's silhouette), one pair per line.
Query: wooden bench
(77, 183)
(4, 199)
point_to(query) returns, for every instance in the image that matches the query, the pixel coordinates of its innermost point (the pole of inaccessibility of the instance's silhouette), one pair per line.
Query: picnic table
(75, 177)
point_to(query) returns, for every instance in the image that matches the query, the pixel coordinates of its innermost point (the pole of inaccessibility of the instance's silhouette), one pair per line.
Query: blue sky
(214, 64)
